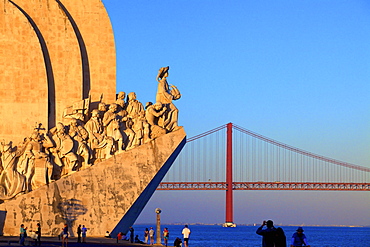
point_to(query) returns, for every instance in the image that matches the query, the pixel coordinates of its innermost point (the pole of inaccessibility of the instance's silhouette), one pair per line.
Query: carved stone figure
(112, 126)
(102, 107)
(134, 107)
(80, 135)
(121, 110)
(99, 142)
(166, 94)
(146, 132)
(121, 101)
(64, 155)
(153, 114)
(11, 181)
(129, 134)
(35, 163)
(138, 128)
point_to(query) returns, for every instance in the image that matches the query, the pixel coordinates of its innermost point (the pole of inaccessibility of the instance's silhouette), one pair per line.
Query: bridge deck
(264, 186)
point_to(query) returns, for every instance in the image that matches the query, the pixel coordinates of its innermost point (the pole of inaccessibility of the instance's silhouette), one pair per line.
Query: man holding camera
(268, 233)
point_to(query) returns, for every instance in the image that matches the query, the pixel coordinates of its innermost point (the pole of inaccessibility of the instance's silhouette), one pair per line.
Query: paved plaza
(54, 241)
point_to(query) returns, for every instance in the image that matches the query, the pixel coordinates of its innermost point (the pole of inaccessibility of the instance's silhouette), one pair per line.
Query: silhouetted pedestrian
(79, 231)
(38, 233)
(280, 238)
(268, 234)
(132, 234)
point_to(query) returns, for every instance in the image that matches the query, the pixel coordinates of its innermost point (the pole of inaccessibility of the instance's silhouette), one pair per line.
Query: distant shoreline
(253, 224)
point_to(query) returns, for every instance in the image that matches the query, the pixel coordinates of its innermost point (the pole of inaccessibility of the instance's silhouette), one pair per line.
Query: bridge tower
(229, 222)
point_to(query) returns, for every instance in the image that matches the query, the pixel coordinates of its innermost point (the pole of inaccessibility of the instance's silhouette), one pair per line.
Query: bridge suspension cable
(261, 160)
(297, 150)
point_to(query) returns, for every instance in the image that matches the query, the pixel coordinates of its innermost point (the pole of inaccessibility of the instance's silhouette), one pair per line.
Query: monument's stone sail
(52, 53)
(72, 151)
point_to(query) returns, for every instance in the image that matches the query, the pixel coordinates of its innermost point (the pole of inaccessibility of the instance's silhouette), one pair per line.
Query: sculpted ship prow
(69, 160)
(122, 141)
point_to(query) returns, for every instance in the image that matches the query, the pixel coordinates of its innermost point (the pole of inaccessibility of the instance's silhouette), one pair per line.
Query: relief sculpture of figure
(63, 152)
(129, 134)
(102, 108)
(166, 94)
(99, 142)
(112, 126)
(134, 107)
(121, 110)
(152, 115)
(80, 135)
(138, 128)
(11, 181)
(121, 101)
(35, 162)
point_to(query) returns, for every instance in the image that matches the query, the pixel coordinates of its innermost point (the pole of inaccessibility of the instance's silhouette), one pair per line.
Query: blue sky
(294, 71)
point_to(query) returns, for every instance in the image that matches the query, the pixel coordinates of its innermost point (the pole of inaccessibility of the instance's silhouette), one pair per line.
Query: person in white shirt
(151, 235)
(186, 233)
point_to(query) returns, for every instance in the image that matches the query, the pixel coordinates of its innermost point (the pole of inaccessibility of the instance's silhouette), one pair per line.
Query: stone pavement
(72, 242)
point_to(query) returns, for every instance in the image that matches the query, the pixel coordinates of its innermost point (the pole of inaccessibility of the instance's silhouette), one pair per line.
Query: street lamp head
(158, 210)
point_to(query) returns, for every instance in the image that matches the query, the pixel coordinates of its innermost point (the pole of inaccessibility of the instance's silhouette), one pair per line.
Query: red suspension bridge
(255, 162)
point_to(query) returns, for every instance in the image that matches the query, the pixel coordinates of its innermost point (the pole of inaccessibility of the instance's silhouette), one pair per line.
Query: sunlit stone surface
(72, 151)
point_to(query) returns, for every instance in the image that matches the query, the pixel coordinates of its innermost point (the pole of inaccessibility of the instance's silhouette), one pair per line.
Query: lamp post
(158, 212)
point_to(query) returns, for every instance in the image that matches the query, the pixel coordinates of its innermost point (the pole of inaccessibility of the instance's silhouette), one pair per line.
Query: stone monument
(72, 151)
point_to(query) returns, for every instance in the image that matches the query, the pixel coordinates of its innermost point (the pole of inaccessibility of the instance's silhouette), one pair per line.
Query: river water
(218, 236)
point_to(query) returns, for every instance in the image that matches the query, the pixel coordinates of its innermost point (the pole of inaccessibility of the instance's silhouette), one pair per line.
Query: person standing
(146, 235)
(38, 233)
(151, 235)
(23, 234)
(166, 235)
(132, 234)
(83, 230)
(65, 236)
(79, 231)
(268, 234)
(186, 234)
(280, 238)
(299, 239)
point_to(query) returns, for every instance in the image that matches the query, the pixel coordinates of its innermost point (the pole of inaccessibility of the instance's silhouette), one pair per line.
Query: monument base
(108, 196)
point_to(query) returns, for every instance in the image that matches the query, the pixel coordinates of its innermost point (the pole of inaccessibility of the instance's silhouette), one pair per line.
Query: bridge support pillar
(229, 177)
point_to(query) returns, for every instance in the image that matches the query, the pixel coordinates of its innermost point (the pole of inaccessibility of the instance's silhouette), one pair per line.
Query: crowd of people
(149, 235)
(63, 236)
(271, 236)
